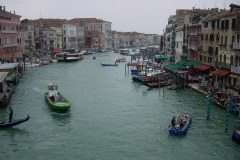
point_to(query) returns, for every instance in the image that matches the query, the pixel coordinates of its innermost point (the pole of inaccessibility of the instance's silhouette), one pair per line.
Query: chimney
(13, 12)
(193, 7)
(0, 8)
(4, 8)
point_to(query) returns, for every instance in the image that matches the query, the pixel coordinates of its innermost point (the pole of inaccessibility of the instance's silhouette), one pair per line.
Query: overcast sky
(145, 16)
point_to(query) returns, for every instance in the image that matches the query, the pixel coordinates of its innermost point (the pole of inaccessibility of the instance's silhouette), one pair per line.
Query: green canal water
(111, 118)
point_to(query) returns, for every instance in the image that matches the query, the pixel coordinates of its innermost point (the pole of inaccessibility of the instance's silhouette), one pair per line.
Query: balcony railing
(6, 31)
(223, 65)
(235, 69)
(236, 45)
(9, 45)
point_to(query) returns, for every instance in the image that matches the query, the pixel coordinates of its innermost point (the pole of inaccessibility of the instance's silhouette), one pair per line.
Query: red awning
(220, 72)
(57, 50)
(203, 67)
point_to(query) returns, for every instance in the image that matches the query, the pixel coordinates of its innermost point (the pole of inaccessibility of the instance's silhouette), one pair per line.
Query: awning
(57, 50)
(233, 76)
(220, 72)
(162, 57)
(203, 67)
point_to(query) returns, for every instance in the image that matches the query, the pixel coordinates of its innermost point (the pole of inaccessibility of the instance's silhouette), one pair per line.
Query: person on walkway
(10, 115)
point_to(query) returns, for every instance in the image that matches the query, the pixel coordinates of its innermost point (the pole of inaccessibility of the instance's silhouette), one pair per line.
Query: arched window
(220, 58)
(224, 59)
(236, 61)
(231, 60)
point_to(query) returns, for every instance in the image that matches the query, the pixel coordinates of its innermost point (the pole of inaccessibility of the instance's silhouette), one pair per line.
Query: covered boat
(179, 124)
(55, 99)
(13, 122)
(123, 59)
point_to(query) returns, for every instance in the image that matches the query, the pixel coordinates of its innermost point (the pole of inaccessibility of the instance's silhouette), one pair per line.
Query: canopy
(203, 67)
(220, 72)
(162, 57)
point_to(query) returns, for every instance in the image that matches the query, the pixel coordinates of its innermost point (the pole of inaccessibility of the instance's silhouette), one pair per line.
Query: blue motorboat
(236, 135)
(179, 124)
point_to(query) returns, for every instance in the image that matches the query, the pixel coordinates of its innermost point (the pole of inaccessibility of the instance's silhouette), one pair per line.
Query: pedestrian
(10, 115)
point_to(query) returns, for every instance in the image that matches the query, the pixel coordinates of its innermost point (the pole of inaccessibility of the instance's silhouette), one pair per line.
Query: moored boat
(108, 64)
(13, 122)
(123, 59)
(5, 90)
(55, 99)
(179, 124)
(124, 51)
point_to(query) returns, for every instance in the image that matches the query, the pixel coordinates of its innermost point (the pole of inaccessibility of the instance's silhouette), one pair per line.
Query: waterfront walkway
(196, 87)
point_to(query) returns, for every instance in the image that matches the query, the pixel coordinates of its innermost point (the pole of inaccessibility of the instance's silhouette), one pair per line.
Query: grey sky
(146, 16)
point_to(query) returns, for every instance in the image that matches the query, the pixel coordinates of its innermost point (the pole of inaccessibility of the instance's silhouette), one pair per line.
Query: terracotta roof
(9, 14)
(88, 20)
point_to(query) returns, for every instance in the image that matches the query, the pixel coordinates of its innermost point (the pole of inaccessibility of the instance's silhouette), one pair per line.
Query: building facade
(10, 35)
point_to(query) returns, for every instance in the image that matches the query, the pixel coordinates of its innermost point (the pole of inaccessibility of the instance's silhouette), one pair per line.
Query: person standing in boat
(10, 115)
(173, 121)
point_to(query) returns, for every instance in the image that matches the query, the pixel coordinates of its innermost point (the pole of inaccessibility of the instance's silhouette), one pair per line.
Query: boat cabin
(124, 51)
(5, 90)
(143, 49)
(67, 56)
(52, 87)
(14, 72)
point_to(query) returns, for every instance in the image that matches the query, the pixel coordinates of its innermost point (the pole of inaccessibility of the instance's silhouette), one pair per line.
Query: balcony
(6, 31)
(236, 45)
(223, 65)
(235, 69)
(10, 45)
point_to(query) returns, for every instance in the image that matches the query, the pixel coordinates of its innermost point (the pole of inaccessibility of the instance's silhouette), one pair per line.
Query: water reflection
(62, 117)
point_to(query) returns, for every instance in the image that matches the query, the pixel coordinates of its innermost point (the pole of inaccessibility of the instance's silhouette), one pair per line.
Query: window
(216, 51)
(227, 24)
(222, 24)
(205, 24)
(218, 23)
(225, 41)
(206, 37)
(213, 24)
(233, 23)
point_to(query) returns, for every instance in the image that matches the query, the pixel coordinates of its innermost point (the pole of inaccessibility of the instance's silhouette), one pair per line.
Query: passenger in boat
(10, 115)
(173, 121)
(52, 98)
(181, 123)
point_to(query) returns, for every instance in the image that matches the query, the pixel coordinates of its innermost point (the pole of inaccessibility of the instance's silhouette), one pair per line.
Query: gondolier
(10, 115)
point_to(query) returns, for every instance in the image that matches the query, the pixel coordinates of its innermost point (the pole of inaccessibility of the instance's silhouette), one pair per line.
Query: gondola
(108, 64)
(13, 122)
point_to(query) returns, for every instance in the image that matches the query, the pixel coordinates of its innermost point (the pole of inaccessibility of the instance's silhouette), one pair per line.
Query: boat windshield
(52, 87)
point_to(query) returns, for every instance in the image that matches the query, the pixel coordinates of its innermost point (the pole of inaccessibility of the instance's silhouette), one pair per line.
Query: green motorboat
(55, 98)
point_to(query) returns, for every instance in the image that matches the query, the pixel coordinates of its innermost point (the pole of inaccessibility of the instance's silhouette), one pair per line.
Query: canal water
(111, 118)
